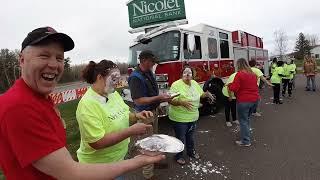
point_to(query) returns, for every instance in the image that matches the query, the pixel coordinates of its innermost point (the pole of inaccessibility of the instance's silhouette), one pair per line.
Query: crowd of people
(32, 130)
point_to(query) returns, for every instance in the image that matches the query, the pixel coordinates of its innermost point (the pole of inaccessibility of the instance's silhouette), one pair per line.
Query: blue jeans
(255, 109)
(312, 79)
(119, 178)
(184, 132)
(245, 111)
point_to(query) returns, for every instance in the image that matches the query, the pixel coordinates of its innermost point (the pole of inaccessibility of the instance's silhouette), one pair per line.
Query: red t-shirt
(245, 87)
(29, 130)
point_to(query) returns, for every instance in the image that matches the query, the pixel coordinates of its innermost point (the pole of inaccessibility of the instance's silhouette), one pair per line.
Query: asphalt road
(75, 85)
(286, 144)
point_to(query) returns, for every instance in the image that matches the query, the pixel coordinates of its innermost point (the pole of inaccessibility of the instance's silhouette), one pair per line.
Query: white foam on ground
(204, 131)
(199, 169)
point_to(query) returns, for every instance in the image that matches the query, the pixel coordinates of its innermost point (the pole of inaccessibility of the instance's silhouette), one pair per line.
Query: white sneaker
(256, 114)
(239, 143)
(236, 122)
(228, 124)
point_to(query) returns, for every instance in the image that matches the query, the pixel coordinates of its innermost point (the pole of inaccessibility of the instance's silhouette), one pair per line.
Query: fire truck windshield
(165, 46)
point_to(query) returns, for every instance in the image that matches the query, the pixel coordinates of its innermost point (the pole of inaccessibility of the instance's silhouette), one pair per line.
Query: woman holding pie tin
(104, 118)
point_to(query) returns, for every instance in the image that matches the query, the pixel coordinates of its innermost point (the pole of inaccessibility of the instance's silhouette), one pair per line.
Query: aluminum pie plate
(173, 94)
(160, 143)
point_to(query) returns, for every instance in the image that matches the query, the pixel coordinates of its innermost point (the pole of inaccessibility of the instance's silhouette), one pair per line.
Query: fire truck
(208, 50)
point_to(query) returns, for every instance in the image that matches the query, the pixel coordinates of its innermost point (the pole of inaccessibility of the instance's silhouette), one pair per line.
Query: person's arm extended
(175, 102)
(146, 100)
(207, 94)
(60, 165)
(111, 139)
(150, 100)
(186, 104)
(134, 117)
(265, 80)
(139, 98)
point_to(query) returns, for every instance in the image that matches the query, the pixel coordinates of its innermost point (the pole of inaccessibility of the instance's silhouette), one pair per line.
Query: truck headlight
(162, 77)
(163, 85)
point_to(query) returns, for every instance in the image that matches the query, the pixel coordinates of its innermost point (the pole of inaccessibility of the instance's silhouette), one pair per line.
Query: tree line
(303, 46)
(10, 69)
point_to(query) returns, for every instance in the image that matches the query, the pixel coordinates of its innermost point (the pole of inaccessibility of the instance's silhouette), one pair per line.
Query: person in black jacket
(214, 85)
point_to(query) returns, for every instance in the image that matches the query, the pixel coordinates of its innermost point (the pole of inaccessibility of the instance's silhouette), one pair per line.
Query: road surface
(76, 85)
(286, 144)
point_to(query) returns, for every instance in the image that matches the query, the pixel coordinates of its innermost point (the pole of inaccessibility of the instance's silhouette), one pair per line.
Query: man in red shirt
(32, 136)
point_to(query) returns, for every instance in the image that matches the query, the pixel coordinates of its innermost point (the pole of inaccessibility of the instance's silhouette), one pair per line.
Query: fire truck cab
(207, 49)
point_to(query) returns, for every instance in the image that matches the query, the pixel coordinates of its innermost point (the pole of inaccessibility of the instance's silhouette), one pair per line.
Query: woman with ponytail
(247, 93)
(103, 117)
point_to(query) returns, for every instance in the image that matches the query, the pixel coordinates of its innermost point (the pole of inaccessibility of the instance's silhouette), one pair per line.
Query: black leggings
(287, 82)
(230, 106)
(276, 92)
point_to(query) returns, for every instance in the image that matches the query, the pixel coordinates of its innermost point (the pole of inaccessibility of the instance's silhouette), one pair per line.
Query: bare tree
(123, 67)
(313, 39)
(76, 71)
(281, 42)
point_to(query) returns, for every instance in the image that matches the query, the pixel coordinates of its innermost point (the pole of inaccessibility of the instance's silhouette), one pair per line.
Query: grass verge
(68, 113)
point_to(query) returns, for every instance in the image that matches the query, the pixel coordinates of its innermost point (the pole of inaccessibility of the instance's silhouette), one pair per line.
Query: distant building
(315, 51)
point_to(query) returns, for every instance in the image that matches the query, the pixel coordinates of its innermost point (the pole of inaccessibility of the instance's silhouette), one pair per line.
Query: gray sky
(100, 27)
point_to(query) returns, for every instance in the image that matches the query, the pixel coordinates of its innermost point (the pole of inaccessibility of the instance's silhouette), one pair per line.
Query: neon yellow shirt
(258, 72)
(294, 66)
(225, 87)
(289, 70)
(273, 67)
(190, 93)
(275, 78)
(96, 118)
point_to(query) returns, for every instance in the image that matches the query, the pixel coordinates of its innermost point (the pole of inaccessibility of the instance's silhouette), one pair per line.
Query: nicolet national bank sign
(148, 12)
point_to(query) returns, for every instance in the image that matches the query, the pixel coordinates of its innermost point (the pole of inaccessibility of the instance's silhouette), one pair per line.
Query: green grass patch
(68, 113)
(299, 62)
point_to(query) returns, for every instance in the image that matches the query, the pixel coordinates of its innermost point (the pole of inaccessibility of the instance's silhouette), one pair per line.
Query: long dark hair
(252, 63)
(275, 60)
(92, 70)
(280, 63)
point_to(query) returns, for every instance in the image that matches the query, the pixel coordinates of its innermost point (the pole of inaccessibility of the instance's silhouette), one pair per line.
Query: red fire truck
(207, 49)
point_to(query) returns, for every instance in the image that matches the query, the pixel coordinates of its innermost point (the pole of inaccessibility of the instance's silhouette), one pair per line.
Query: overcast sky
(100, 27)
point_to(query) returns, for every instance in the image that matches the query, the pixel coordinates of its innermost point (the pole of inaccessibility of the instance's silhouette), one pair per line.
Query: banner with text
(148, 12)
